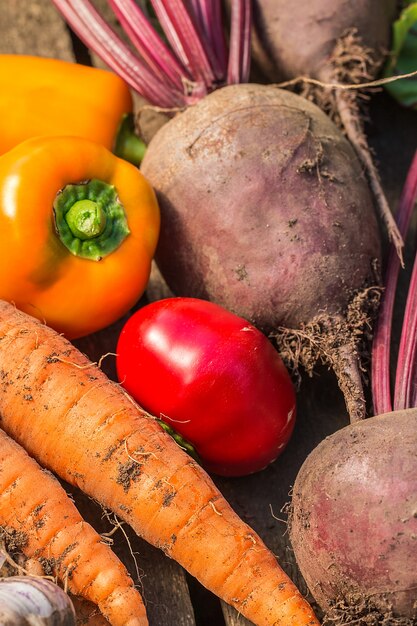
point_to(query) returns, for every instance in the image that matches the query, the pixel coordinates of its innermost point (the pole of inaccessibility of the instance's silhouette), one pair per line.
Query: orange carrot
(87, 614)
(78, 423)
(35, 509)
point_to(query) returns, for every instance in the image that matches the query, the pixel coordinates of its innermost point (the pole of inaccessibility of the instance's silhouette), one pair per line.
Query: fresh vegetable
(87, 614)
(403, 57)
(335, 43)
(212, 378)
(42, 96)
(265, 209)
(405, 391)
(64, 411)
(26, 601)
(38, 517)
(354, 524)
(78, 228)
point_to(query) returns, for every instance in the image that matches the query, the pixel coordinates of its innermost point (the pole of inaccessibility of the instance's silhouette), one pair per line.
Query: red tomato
(212, 377)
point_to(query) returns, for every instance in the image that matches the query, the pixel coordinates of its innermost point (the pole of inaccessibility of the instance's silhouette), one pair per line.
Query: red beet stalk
(196, 59)
(406, 371)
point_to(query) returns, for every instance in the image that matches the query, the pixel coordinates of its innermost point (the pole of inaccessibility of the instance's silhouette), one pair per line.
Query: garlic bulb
(32, 601)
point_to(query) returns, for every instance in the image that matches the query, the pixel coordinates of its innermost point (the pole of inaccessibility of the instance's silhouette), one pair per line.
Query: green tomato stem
(90, 219)
(179, 439)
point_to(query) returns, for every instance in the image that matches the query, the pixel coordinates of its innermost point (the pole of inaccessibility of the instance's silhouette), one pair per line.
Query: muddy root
(341, 342)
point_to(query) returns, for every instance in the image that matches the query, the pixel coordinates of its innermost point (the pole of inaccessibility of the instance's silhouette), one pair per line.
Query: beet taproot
(265, 211)
(353, 525)
(325, 45)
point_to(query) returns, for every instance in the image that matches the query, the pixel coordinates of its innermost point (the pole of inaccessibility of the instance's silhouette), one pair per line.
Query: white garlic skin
(32, 601)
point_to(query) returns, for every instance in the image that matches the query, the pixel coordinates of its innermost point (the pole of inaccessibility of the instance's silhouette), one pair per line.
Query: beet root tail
(349, 116)
(346, 365)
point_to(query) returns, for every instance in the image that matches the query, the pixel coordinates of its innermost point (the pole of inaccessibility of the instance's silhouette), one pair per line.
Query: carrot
(87, 614)
(35, 509)
(78, 423)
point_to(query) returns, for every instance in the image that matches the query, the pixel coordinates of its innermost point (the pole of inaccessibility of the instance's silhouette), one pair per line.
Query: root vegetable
(354, 508)
(285, 51)
(67, 414)
(45, 525)
(354, 519)
(26, 601)
(335, 42)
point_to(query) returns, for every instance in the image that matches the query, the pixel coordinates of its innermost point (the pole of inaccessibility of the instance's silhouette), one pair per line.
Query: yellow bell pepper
(43, 96)
(78, 230)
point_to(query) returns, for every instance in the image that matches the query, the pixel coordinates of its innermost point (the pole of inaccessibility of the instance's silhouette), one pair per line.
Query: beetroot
(354, 520)
(265, 209)
(353, 523)
(300, 39)
(334, 42)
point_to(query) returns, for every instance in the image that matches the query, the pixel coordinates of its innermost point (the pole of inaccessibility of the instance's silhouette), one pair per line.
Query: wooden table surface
(173, 598)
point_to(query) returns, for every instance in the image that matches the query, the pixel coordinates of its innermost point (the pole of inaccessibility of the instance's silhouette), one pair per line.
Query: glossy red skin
(213, 377)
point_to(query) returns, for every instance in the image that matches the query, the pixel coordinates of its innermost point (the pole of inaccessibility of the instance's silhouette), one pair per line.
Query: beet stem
(404, 393)
(186, 40)
(406, 356)
(381, 388)
(208, 14)
(148, 43)
(240, 42)
(94, 31)
(197, 61)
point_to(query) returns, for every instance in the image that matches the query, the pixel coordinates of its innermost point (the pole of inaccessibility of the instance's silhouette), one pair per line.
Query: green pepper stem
(90, 219)
(128, 145)
(86, 219)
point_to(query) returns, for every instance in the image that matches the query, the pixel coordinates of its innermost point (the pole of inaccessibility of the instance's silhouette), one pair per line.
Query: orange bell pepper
(78, 230)
(43, 96)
